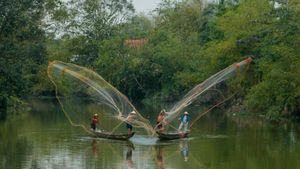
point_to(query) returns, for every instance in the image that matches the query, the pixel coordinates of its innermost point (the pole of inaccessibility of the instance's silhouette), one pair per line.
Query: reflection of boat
(172, 136)
(112, 136)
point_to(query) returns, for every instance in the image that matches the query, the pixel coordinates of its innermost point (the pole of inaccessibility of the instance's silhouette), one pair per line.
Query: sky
(145, 6)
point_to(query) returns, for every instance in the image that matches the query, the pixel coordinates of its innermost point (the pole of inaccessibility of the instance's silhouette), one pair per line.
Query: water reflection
(45, 139)
(94, 148)
(159, 156)
(129, 161)
(184, 149)
(172, 154)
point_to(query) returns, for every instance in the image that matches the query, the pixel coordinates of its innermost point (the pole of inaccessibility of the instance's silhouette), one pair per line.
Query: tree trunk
(3, 108)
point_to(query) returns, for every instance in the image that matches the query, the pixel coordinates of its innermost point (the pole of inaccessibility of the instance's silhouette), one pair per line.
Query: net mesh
(202, 89)
(81, 93)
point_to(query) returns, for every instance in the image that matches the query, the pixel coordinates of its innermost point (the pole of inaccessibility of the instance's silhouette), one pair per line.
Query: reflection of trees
(13, 148)
(253, 142)
(44, 139)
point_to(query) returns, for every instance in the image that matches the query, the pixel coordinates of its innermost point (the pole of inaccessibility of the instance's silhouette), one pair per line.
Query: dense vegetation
(186, 43)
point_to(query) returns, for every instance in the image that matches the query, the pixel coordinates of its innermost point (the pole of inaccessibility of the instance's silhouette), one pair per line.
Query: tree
(22, 46)
(23, 61)
(277, 92)
(93, 22)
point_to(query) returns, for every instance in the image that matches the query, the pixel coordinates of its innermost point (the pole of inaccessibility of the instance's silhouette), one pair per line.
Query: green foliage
(180, 18)
(93, 22)
(279, 87)
(208, 29)
(22, 48)
(137, 27)
(23, 51)
(186, 44)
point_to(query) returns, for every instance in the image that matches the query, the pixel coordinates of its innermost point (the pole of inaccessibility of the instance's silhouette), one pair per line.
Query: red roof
(136, 42)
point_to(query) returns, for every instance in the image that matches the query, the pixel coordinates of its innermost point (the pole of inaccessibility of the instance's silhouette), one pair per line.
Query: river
(43, 138)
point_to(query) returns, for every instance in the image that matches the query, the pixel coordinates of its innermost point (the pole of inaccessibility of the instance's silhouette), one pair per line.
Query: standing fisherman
(129, 120)
(160, 122)
(94, 122)
(185, 119)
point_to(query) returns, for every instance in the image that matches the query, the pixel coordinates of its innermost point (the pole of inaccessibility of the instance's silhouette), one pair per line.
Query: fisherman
(94, 122)
(160, 122)
(184, 119)
(129, 120)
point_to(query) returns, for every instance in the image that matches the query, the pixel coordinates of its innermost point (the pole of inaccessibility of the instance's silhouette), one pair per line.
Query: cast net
(203, 91)
(81, 93)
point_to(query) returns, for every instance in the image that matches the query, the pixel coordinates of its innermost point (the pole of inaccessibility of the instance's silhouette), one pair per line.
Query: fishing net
(81, 93)
(205, 89)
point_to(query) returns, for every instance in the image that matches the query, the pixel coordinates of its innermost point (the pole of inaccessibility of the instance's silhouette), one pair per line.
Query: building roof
(136, 42)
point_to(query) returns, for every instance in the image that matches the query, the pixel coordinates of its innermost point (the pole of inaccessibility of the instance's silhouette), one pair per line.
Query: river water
(43, 138)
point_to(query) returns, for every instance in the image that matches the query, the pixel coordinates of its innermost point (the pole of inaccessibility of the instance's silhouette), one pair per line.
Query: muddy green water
(43, 138)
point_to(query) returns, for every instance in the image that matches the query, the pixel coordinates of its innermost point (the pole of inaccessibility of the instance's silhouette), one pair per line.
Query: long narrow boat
(112, 136)
(172, 136)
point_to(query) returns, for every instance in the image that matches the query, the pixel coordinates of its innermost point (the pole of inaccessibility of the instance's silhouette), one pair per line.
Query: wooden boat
(172, 136)
(114, 136)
